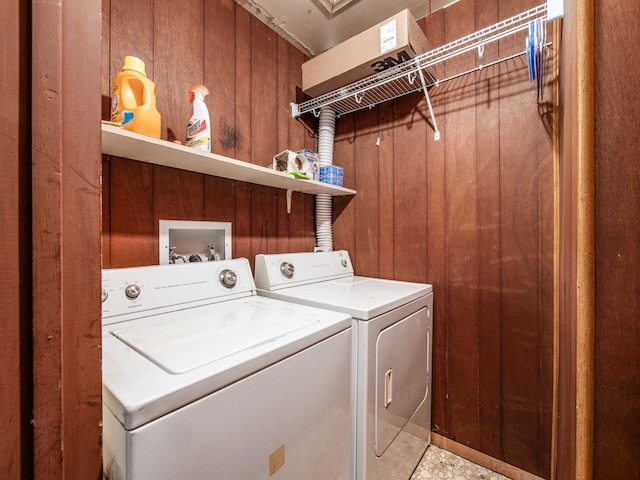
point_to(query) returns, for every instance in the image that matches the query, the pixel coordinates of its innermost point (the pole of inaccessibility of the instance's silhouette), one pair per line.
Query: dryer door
(401, 375)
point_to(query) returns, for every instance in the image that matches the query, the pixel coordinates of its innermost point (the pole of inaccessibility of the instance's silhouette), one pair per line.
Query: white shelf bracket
(436, 134)
(289, 193)
(295, 110)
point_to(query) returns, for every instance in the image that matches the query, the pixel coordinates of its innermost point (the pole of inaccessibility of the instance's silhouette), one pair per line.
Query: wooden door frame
(573, 449)
(66, 225)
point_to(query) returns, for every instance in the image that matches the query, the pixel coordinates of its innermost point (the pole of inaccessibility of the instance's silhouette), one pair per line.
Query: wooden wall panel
(488, 205)
(300, 222)
(66, 239)
(462, 248)
(617, 261)
(385, 190)
(448, 212)
(367, 229)
(16, 450)
(436, 240)
(252, 75)
(242, 226)
(484, 245)
(344, 212)
(178, 46)
(409, 193)
(131, 211)
(220, 73)
(264, 134)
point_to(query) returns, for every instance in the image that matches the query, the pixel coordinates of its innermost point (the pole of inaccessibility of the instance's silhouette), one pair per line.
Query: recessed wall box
(183, 241)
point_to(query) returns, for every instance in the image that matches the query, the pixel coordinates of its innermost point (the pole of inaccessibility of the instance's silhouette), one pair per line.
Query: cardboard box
(383, 46)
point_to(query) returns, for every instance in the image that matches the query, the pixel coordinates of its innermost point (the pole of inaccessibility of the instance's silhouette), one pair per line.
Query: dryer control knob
(287, 269)
(228, 278)
(105, 295)
(132, 291)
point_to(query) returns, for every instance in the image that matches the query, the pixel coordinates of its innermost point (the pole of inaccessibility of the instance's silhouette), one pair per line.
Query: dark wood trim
(15, 242)
(585, 286)
(574, 450)
(482, 459)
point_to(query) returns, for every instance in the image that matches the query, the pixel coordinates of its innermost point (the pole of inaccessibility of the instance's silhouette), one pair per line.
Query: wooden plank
(66, 241)
(264, 139)
(617, 234)
(242, 240)
(520, 266)
(462, 248)
(15, 213)
(179, 49)
(105, 239)
(284, 123)
(132, 229)
(548, 198)
(243, 85)
(385, 190)
(106, 74)
(409, 193)
(302, 207)
(436, 241)
(367, 205)
(487, 84)
(130, 32)
(220, 73)
(344, 212)
(177, 195)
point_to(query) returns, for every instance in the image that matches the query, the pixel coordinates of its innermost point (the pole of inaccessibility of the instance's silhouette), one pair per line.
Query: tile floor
(441, 464)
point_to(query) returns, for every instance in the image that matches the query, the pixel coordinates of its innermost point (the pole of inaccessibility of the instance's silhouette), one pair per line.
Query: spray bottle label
(194, 128)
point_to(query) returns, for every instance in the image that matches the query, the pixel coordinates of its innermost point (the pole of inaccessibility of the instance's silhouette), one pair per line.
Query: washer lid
(160, 363)
(363, 298)
(182, 341)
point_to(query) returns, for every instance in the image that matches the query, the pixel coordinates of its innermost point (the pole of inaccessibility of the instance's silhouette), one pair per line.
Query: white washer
(392, 352)
(203, 379)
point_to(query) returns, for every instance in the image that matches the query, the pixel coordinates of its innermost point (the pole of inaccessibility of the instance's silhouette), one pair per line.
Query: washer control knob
(105, 295)
(344, 263)
(132, 291)
(287, 269)
(228, 278)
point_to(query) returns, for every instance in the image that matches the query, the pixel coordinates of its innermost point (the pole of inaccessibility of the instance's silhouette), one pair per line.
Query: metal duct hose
(324, 205)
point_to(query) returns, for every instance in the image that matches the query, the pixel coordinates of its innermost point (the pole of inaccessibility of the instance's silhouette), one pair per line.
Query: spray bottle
(199, 126)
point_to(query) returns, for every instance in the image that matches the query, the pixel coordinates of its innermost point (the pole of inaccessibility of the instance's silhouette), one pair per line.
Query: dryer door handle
(388, 388)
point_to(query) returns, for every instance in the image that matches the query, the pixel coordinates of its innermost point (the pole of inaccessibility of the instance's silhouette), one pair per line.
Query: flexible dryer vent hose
(324, 227)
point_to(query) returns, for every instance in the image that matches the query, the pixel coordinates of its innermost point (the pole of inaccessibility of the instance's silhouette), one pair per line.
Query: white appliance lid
(206, 346)
(181, 341)
(363, 298)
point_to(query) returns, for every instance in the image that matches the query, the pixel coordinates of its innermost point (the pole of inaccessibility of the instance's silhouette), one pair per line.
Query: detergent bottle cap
(135, 64)
(197, 89)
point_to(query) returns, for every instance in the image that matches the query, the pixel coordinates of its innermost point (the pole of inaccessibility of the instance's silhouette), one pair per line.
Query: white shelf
(123, 143)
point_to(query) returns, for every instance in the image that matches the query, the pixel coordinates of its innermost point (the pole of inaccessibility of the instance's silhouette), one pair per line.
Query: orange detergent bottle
(133, 100)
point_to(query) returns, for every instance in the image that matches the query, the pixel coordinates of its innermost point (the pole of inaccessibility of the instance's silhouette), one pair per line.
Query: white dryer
(391, 352)
(203, 379)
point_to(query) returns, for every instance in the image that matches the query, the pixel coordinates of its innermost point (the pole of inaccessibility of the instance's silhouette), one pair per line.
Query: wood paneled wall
(617, 237)
(252, 75)
(473, 215)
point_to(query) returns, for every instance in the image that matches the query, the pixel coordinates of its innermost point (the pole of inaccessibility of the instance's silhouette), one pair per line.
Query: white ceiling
(309, 26)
